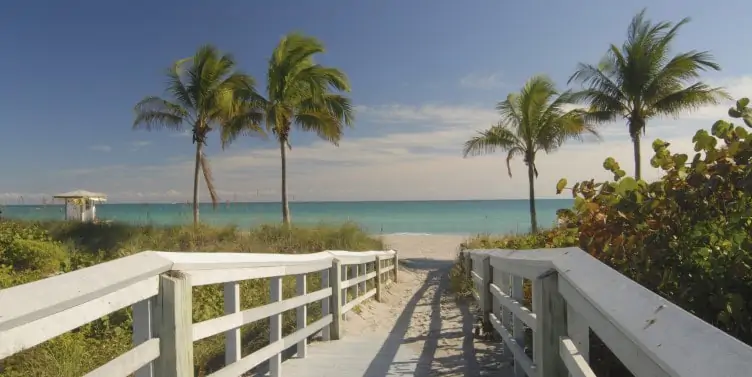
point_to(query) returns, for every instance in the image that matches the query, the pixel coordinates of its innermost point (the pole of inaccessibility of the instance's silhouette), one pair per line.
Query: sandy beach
(422, 314)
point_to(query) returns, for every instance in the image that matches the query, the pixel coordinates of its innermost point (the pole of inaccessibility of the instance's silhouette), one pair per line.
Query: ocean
(384, 217)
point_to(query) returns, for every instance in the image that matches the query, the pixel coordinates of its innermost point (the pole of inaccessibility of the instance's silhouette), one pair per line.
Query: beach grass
(33, 250)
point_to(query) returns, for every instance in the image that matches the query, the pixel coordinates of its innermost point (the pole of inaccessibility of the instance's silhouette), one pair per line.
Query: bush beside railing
(158, 285)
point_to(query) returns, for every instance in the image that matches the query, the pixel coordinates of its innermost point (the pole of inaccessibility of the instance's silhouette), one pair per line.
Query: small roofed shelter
(80, 204)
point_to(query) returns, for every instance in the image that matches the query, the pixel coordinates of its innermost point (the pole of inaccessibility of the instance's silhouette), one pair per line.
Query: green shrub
(47, 257)
(687, 236)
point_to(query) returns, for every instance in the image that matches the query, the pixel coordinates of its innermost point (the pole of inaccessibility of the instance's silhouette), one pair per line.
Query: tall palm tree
(532, 120)
(304, 94)
(206, 92)
(641, 80)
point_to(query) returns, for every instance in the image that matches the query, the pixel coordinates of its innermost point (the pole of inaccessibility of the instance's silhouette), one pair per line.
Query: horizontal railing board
(32, 333)
(347, 307)
(32, 301)
(359, 279)
(521, 312)
(130, 361)
(574, 361)
(677, 342)
(217, 325)
(517, 351)
(189, 261)
(251, 361)
(387, 269)
(205, 277)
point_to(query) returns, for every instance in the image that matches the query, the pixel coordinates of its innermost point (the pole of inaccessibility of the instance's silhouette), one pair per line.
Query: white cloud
(138, 145)
(101, 148)
(477, 81)
(419, 158)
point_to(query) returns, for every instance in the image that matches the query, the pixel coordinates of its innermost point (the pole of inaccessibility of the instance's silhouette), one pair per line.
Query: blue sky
(425, 75)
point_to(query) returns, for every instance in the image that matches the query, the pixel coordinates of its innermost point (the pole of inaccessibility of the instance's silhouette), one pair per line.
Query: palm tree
(532, 120)
(304, 94)
(206, 92)
(641, 80)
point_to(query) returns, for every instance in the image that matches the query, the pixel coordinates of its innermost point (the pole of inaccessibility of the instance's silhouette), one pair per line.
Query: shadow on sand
(468, 362)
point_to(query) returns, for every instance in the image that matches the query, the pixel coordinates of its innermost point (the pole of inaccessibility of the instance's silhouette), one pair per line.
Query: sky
(425, 75)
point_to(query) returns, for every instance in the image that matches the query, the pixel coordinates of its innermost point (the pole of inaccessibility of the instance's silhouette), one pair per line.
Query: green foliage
(686, 236)
(33, 251)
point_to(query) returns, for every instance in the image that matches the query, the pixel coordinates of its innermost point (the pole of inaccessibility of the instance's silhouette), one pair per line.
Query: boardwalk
(418, 329)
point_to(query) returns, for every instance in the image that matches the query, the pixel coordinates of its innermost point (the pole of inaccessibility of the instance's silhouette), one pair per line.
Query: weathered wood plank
(350, 305)
(232, 336)
(518, 328)
(576, 364)
(358, 280)
(520, 358)
(231, 321)
(144, 322)
(271, 351)
(130, 361)
(27, 335)
(174, 329)
(335, 304)
(519, 311)
(275, 327)
(29, 302)
(301, 314)
(325, 304)
(205, 277)
(552, 324)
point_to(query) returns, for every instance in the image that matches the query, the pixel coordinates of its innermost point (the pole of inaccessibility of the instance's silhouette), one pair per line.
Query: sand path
(419, 313)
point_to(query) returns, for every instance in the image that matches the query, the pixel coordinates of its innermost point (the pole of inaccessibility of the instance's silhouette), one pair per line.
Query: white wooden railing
(158, 286)
(572, 294)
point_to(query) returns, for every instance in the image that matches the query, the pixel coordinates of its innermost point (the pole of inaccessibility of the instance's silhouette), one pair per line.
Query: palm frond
(690, 98)
(155, 113)
(488, 141)
(511, 154)
(322, 122)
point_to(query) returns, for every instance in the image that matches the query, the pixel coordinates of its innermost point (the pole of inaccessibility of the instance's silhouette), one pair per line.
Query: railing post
(518, 328)
(175, 327)
(396, 266)
(301, 314)
(378, 279)
(335, 281)
(501, 280)
(579, 332)
(326, 305)
(144, 318)
(362, 271)
(232, 337)
(468, 264)
(354, 274)
(275, 326)
(485, 293)
(551, 314)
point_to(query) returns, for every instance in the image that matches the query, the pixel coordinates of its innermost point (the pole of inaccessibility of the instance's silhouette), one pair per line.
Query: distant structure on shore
(80, 204)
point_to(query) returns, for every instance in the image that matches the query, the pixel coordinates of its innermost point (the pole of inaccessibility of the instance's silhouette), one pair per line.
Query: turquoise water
(447, 217)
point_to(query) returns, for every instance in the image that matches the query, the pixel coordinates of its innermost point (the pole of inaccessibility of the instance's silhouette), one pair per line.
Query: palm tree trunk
(199, 146)
(285, 205)
(531, 181)
(637, 163)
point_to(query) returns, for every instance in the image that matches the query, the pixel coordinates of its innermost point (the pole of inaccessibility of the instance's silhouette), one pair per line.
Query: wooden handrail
(158, 287)
(574, 293)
